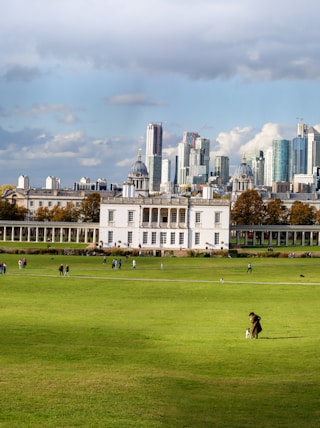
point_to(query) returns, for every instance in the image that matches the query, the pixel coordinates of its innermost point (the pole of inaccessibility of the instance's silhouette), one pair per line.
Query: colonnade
(275, 235)
(25, 231)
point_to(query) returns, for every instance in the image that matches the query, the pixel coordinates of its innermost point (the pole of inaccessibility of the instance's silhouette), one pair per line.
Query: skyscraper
(313, 149)
(258, 169)
(184, 148)
(193, 159)
(221, 168)
(154, 155)
(280, 161)
(199, 162)
(299, 152)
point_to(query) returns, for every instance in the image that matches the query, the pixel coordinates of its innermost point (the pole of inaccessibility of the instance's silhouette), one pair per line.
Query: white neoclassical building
(170, 222)
(165, 222)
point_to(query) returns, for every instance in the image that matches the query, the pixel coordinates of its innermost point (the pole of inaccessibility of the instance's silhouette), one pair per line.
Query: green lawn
(159, 348)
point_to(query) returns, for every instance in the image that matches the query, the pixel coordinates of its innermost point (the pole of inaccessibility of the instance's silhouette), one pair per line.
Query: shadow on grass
(281, 338)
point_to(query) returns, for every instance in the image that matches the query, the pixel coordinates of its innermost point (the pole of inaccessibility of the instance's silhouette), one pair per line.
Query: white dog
(248, 333)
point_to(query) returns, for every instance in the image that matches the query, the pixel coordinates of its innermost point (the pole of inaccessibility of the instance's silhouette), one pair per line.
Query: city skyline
(79, 82)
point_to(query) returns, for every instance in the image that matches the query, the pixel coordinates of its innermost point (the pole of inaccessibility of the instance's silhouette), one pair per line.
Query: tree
(9, 211)
(317, 217)
(43, 214)
(5, 187)
(301, 213)
(90, 208)
(276, 212)
(69, 213)
(248, 208)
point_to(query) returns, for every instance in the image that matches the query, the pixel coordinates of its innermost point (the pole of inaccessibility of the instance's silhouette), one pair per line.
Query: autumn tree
(276, 212)
(10, 211)
(248, 208)
(317, 217)
(301, 213)
(43, 214)
(68, 213)
(5, 187)
(90, 208)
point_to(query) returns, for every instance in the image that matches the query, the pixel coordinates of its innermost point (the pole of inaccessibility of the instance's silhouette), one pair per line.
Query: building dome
(243, 170)
(242, 179)
(139, 168)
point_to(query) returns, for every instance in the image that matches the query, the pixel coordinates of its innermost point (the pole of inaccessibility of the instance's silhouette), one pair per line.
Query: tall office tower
(184, 147)
(313, 149)
(154, 155)
(166, 171)
(280, 163)
(199, 162)
(175, 180)
(299, 155)
(166, 183)
(221, 168)
(258, 169)
(268, 168)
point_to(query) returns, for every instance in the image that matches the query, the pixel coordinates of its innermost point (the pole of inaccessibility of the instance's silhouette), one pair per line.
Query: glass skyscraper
(154, 155)
(299, 153)
(281, 160)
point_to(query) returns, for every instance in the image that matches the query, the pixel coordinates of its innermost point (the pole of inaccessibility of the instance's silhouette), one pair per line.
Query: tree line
(87, 212)
(250, 208)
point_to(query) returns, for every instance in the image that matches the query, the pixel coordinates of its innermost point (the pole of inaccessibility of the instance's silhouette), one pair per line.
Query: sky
(80, 81)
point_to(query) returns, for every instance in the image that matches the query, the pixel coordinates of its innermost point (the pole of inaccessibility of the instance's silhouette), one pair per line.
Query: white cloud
(239, 141)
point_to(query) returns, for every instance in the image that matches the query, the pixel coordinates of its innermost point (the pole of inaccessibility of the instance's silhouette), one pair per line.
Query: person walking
(66, 272)
(61, 269)
(255, 325)
(134, 264)
(249, 268)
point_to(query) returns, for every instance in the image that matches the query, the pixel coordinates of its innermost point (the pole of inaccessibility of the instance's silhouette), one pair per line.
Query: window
(163, 237)
(145, 215)
(197, 238)
(129, 237)
(216, 238)
(174, 217)
(181, 238)
(145, 238)
(130, 216)
(59, 204)
(49, 204)
(110, 215)
(153, 238)
(198, 217)
(31, 203)
(172, 238)
(110, 237)
(182, 216)
(217, 217)
(40, 204)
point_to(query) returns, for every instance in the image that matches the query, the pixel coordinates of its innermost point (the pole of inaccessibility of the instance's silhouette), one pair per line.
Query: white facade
(23, 182)
(268, 171)
(313, 149)
(165, 223)
(52, 183)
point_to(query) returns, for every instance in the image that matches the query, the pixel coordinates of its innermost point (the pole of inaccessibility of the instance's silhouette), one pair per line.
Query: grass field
(159, 348)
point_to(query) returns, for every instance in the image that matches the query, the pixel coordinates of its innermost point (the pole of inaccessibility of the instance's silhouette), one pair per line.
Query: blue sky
(80, 80)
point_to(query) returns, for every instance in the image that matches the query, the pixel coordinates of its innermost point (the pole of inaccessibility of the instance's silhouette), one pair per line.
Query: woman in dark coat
(255, 325)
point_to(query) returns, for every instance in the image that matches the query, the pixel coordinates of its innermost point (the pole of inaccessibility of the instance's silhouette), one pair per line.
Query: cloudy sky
(80, 80)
